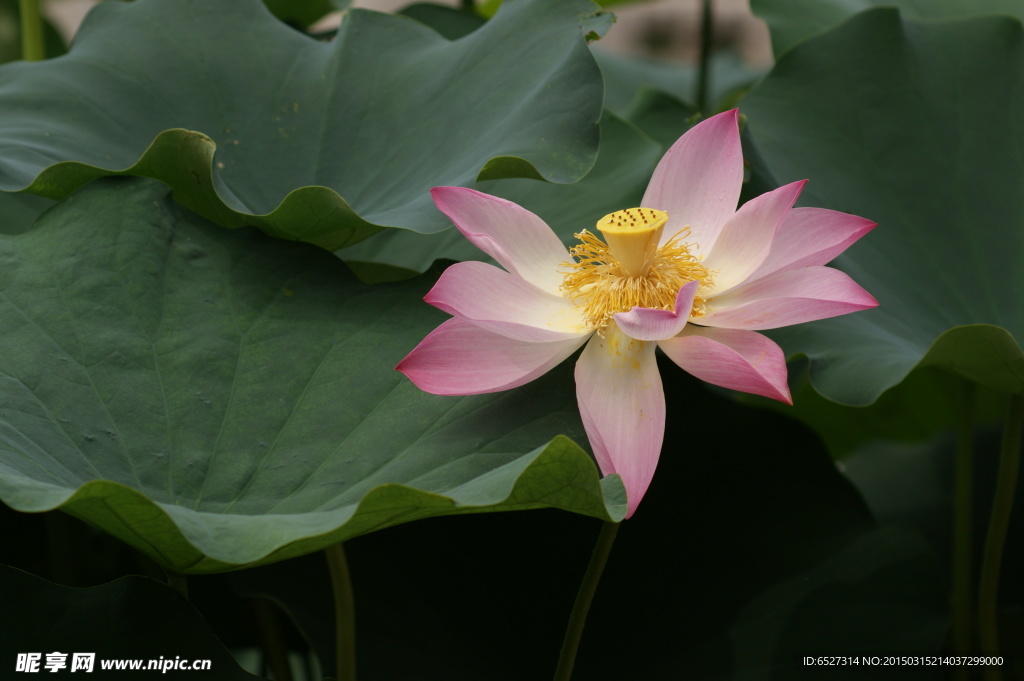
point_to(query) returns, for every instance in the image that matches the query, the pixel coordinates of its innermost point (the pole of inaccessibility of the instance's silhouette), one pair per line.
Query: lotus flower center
(630, 269)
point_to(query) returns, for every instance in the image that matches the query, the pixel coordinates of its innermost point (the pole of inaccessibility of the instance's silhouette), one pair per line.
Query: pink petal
(747, 237)
(623, 408)
(788, 297)
(512, 235)
(811, 236)
(501, 302)
(460, 358)
(697, 182)
(731, 358)
(646, 324)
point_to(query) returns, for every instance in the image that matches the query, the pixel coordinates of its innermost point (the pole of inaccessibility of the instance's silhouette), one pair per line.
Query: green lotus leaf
(624, 166)
(888, 119)
(218, 398)
(134, 618)
(626, 78)
(324, 142)
(792, 21)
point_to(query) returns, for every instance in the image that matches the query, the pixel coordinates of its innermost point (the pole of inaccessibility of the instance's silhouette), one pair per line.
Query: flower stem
(344, 612)
(704, 74)
(963, 549)
(1002, 505)
(578, 618)
(32, 48)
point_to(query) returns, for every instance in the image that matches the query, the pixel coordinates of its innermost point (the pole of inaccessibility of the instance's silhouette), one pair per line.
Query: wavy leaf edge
(340, 524)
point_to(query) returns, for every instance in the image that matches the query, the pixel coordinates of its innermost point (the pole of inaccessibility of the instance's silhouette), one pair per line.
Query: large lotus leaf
(889, 120)
(218, 398)
(791, 21)
(624, 166)
(626, 78)
(132, 618)
(318, 141)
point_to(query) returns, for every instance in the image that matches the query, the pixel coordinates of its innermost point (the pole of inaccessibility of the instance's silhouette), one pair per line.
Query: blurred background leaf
(133, 618)
(303, 13)
(10, 34)
(888, 119)
(792, 21)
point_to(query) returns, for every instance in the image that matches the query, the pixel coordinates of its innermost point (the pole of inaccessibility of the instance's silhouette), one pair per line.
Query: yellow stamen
(631, 270)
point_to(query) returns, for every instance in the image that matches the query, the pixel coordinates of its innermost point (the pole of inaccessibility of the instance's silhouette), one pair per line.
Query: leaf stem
(275, 650)
(578, 617)
(32, 47)
(995, 541)
(344, 612)
(704, 74)
(963, 540)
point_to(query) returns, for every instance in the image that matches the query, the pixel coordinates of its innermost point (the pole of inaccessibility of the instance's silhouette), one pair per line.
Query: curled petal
(788, 297)
(512, 235)
(747, 237)
(623, 408)
(811, 236)
(731, 358)
(697, 182)
(460, 358)
(496, 300)
(646, 324)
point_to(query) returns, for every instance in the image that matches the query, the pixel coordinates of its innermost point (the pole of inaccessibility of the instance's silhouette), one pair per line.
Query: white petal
(460, 358)
(698, 181)
(788, 297)
(747, 237)
(731, 358)
(623, 408)
(502, 302)
(512, 235)
(811, 236)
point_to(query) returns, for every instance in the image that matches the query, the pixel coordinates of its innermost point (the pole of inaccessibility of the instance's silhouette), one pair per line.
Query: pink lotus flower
(688, 273)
